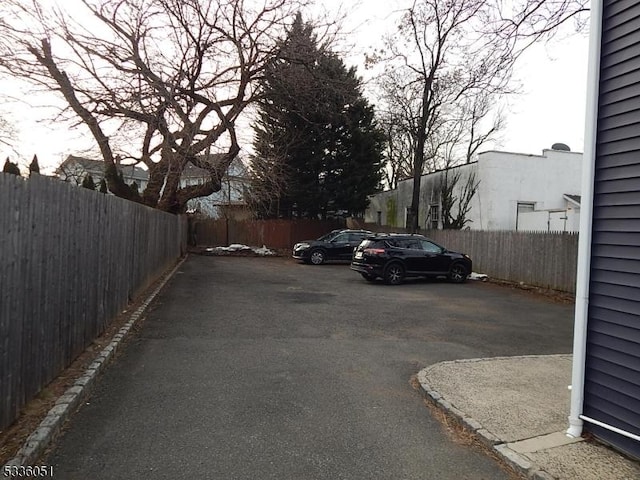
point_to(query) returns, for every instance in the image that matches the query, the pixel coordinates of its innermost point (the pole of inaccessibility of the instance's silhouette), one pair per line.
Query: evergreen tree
(10, 167)
(88, 183)
(34, 167)
(103, 186)
(318, 148)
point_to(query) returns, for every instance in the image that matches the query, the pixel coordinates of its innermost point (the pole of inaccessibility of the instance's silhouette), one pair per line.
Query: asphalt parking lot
(267, 368)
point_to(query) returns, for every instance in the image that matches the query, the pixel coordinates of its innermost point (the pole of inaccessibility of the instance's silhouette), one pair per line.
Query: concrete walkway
(519, 407)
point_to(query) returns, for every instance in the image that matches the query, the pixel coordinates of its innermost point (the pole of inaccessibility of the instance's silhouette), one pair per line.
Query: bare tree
(455, 133)
(465, 127)
(455, 144)
(452, 52)
(158, 82)
(72, 173)
(5, 136)
(269, 178)
(8, 132)
(456, 198)
(398, 119)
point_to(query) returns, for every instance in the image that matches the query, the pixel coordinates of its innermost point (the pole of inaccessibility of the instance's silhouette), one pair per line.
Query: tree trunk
(418, 160)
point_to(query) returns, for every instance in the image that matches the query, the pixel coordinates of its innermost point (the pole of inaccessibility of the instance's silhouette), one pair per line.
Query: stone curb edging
(488, 439)
(65, 405)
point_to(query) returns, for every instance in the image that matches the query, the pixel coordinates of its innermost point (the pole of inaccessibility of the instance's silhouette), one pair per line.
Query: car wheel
(368, 277)
(458, 273)
(394, 274)
(317, 257)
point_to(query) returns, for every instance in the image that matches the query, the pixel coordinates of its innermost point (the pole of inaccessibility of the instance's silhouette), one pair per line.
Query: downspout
(586, 222)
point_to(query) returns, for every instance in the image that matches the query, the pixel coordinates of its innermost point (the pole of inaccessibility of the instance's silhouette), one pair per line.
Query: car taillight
(374, 251)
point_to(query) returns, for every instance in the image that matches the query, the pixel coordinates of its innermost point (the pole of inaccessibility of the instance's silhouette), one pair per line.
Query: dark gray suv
(335, 245)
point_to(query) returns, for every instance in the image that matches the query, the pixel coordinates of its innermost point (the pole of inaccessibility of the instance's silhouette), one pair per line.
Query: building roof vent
(560, 146)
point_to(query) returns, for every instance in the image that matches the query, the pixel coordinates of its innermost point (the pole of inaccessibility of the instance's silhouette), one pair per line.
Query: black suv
(393, 257)
(335, 245)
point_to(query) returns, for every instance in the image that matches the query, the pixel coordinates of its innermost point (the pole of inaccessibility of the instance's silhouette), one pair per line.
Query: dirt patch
(554, 295)
(13, 437)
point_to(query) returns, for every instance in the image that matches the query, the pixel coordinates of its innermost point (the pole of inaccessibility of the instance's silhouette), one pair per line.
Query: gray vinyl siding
(612, 378)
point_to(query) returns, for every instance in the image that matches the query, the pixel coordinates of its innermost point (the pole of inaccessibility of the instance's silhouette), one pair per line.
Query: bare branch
(159, 81)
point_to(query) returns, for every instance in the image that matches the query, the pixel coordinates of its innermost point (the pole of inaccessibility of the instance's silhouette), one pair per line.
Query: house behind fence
(71, 259)
(230, 197)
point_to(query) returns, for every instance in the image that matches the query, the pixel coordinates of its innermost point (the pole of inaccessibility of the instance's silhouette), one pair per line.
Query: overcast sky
(550, 109)
(552, 106)
(553, 77)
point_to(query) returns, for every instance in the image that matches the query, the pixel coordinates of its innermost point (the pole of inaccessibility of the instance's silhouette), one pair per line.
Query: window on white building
(434, 217)
(524, 207)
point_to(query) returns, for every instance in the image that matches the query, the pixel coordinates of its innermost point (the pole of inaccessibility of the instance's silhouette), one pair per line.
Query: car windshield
(329, 236)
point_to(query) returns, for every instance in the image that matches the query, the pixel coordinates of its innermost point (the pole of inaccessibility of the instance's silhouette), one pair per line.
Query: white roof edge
(567, 197)
(529, 154)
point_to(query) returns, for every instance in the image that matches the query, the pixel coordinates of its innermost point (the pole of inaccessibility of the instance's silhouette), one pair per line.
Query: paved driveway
(263, 368)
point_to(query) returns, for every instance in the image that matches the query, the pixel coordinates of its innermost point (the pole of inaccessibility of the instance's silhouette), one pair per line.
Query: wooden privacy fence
(542, 259)
(71, 259)
(547, 260)
(276, 234)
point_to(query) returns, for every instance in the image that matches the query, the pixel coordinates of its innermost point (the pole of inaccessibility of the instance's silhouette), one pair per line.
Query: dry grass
(461, 435)
(555, 296)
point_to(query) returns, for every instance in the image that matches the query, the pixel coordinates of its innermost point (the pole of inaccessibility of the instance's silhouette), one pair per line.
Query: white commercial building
(514, 191)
